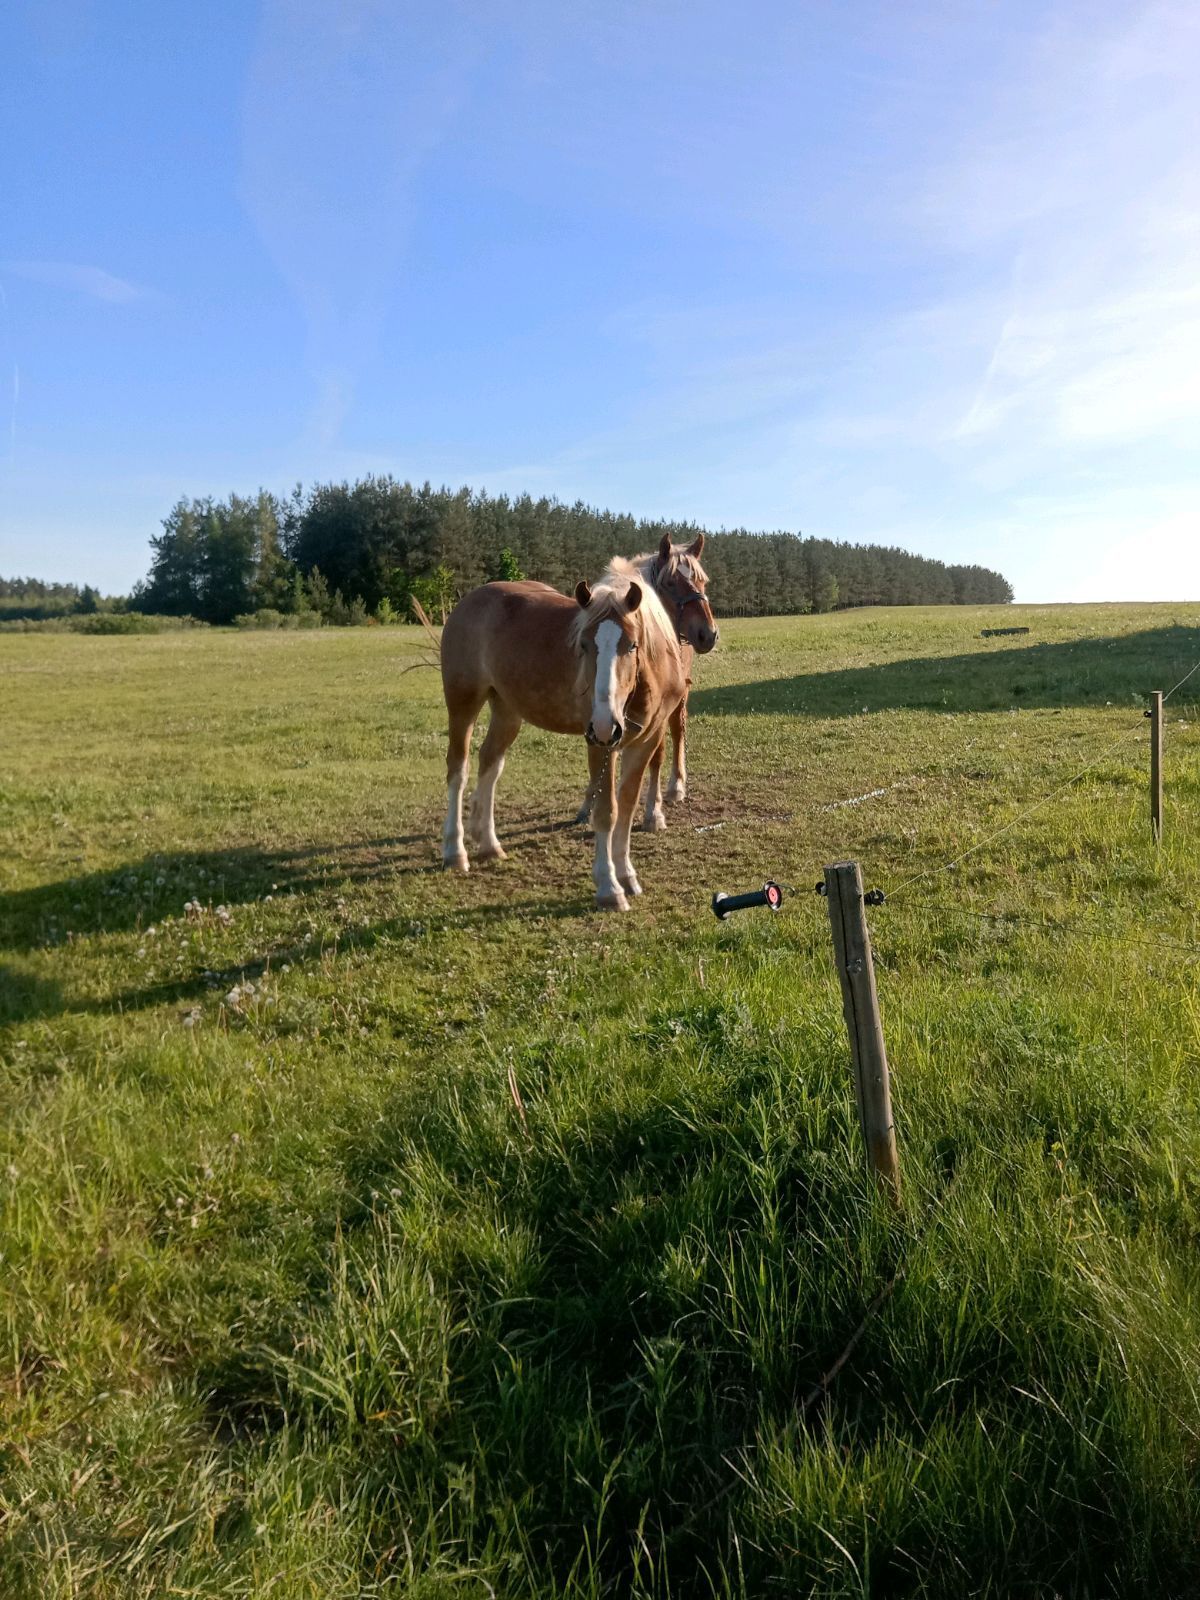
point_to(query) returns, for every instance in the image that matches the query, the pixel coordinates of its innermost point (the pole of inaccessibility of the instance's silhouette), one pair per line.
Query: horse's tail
(432, 636)
(431, 633)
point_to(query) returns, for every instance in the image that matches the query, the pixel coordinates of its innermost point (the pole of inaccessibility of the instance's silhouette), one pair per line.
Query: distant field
(389, 1233)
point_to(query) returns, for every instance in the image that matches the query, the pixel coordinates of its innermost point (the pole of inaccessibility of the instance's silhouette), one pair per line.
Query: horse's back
(495, 610)
(510, 639)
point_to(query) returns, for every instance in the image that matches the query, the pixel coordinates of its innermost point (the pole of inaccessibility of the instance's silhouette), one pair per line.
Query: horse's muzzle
(617, 733)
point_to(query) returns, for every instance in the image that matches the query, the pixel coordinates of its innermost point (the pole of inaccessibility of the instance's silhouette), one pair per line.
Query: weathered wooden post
(1155, 714)
(860, 1004)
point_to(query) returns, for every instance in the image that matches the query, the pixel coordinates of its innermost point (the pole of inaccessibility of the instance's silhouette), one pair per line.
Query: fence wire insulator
(873, 897)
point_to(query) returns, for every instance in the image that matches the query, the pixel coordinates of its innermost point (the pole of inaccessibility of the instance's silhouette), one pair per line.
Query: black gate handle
(770, 895)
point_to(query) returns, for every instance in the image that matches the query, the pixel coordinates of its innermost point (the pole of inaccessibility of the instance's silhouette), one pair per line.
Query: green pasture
(372, 1231)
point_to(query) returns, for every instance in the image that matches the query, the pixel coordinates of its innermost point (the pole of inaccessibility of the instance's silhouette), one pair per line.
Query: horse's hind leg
(655, 819)
(458, 760)
(463, 710)
(481, 825)
(677, 788)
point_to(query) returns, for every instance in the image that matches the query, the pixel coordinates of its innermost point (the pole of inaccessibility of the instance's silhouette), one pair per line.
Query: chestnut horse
(676, 576)
(606, 665)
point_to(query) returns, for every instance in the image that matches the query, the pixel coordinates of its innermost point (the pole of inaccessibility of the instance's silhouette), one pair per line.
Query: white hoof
(631, 884)
(456, 863)
(491, 852)
(676, 792)
(612, 902)
(654, 822)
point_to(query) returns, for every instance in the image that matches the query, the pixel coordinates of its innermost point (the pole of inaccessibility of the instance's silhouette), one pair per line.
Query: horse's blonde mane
(650, 621)
(648, 567)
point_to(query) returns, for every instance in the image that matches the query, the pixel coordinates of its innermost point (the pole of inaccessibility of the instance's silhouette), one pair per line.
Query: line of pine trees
(345, 553)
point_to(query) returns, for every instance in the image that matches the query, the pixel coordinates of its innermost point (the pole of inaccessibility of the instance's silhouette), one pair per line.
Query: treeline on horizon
(33, 600)
(353, 553)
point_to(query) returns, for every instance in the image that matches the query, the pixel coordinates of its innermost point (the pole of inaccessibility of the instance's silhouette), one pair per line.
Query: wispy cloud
(1083, 175)
(331, 92)
(92, 282)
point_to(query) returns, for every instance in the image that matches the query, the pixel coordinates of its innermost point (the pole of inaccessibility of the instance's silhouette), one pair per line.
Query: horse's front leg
(677, 788)
(633, 765)
(602, 765)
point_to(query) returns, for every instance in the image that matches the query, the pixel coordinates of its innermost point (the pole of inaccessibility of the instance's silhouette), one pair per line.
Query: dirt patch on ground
(548, 850)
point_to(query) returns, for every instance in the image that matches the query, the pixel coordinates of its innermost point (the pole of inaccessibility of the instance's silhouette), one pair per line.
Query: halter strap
(695, 598)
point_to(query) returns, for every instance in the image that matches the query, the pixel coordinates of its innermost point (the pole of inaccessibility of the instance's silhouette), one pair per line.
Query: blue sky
(924, 274)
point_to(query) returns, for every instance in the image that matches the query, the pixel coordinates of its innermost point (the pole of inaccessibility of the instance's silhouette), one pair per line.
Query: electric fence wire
(1089, 766)
(1014, 822)
(1028, 811)
(1181, 682)
(1053, 925)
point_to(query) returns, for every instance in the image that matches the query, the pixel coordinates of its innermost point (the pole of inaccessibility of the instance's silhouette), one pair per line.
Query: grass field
(373, 1231)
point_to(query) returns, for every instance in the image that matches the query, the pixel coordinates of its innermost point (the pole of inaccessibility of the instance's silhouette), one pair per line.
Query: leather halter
(696, 597)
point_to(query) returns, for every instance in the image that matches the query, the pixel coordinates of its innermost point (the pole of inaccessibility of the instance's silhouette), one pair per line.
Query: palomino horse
(606, 665)
(676, 576)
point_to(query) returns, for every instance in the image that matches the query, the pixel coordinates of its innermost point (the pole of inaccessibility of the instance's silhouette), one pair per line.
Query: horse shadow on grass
(24, 996)
(141, 893)
(137, 896)
(1118, 670)
(194, 985)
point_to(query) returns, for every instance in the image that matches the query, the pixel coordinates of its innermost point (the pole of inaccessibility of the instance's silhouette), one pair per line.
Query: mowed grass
(369, 1231)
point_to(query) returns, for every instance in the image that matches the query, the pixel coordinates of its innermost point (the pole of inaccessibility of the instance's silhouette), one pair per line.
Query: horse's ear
(696, 548)
(633, 597)
(583, 594)
(664, 547)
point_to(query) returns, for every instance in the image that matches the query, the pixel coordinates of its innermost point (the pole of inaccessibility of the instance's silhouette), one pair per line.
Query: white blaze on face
(604, 707)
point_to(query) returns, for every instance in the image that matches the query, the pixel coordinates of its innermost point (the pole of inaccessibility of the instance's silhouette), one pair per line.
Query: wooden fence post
(860, 1004)
(1156, 774)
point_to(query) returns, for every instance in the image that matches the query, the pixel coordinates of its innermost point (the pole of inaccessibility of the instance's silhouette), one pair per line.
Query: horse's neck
(658, 691)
